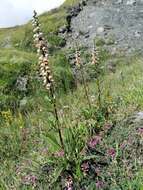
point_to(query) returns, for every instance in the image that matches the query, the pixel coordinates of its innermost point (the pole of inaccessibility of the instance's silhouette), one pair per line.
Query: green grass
(17, 55)
(28, 155)
(20, 36)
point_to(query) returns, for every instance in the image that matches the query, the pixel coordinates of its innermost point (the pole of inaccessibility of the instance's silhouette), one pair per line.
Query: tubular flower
(95, 58)
(42, 51)
(77, 58)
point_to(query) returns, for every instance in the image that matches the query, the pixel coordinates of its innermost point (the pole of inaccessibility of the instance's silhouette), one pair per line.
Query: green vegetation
(20, 36)
(102, 143)
(27, 143)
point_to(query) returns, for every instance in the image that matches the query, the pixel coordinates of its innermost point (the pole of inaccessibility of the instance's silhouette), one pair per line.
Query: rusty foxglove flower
(42, 50)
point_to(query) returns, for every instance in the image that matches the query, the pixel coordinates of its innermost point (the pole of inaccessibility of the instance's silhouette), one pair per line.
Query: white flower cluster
(95, 57)
(77, 58)
(42, 50)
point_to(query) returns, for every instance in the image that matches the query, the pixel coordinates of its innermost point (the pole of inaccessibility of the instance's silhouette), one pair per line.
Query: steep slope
(21, 36)
(17, 63)
(116, 25)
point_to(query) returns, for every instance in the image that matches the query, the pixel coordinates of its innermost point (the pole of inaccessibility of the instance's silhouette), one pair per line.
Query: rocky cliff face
(116, 24)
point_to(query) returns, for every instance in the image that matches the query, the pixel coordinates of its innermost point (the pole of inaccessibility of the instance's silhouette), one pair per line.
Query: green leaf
(57, 174)
(53, 141)
(89, 157)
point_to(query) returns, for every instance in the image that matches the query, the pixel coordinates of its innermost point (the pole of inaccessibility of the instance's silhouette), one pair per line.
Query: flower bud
(45, 59)
(48, 86)
(45, 81)
(46, 55)
(50, 77)
(41, 58)
(44, 48)
(36, 29)
(40, 35)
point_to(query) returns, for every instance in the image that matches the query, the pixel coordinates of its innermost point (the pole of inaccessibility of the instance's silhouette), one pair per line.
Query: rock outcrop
(119, 23)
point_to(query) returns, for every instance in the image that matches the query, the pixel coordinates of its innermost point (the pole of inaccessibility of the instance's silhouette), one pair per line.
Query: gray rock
(131, 2)
(114, 51)
(138, 117)
(100, 30)
(119, 2)
(86, 35)
(103, 19)
(62, 30)
(137, 34)
(21, 83)
(23, 102)
(74, 12)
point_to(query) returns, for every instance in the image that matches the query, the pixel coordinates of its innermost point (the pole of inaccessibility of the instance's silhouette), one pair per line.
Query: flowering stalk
(79, 65)
(44, 68)
(95, 61)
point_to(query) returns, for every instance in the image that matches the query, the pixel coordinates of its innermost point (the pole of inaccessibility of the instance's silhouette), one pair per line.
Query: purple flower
(69, 183)
(99, 184)
(30, 180)
(123, 145)
(140, 131)
(85, 167)
(44, 151)
(94, 141)
(59, 153)
(107, 126)
(112, 153)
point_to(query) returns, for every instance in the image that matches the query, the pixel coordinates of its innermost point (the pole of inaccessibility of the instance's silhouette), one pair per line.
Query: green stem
(99, 91)
(85, 87)
(57, 117)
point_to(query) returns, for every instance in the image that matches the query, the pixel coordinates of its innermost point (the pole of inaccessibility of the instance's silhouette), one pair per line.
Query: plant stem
(57, 117)
(99, 91)
(85, 87)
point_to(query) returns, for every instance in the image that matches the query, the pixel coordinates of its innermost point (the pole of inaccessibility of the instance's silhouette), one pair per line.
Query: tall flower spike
(79, 64)
(44, 69)
(42, 50)
(77, 58)
(95, 58)
(95, 61)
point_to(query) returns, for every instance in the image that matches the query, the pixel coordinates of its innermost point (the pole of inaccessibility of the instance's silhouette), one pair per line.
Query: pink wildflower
(112, 153)
(94, 141)
(85, 167)
(99, 184)
(140, 131)
(30, 180)
(69, 183)
(59, 153)
(123, 145)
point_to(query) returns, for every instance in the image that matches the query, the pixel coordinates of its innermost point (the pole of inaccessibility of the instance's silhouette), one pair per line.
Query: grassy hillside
(28, 143)
(16, 45)
(20, 36)
(100, 139)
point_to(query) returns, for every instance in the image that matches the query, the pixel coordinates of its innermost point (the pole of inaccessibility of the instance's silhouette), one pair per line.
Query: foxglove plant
(95, 56)
(80, 66)
(95, 61)
(44, 69)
